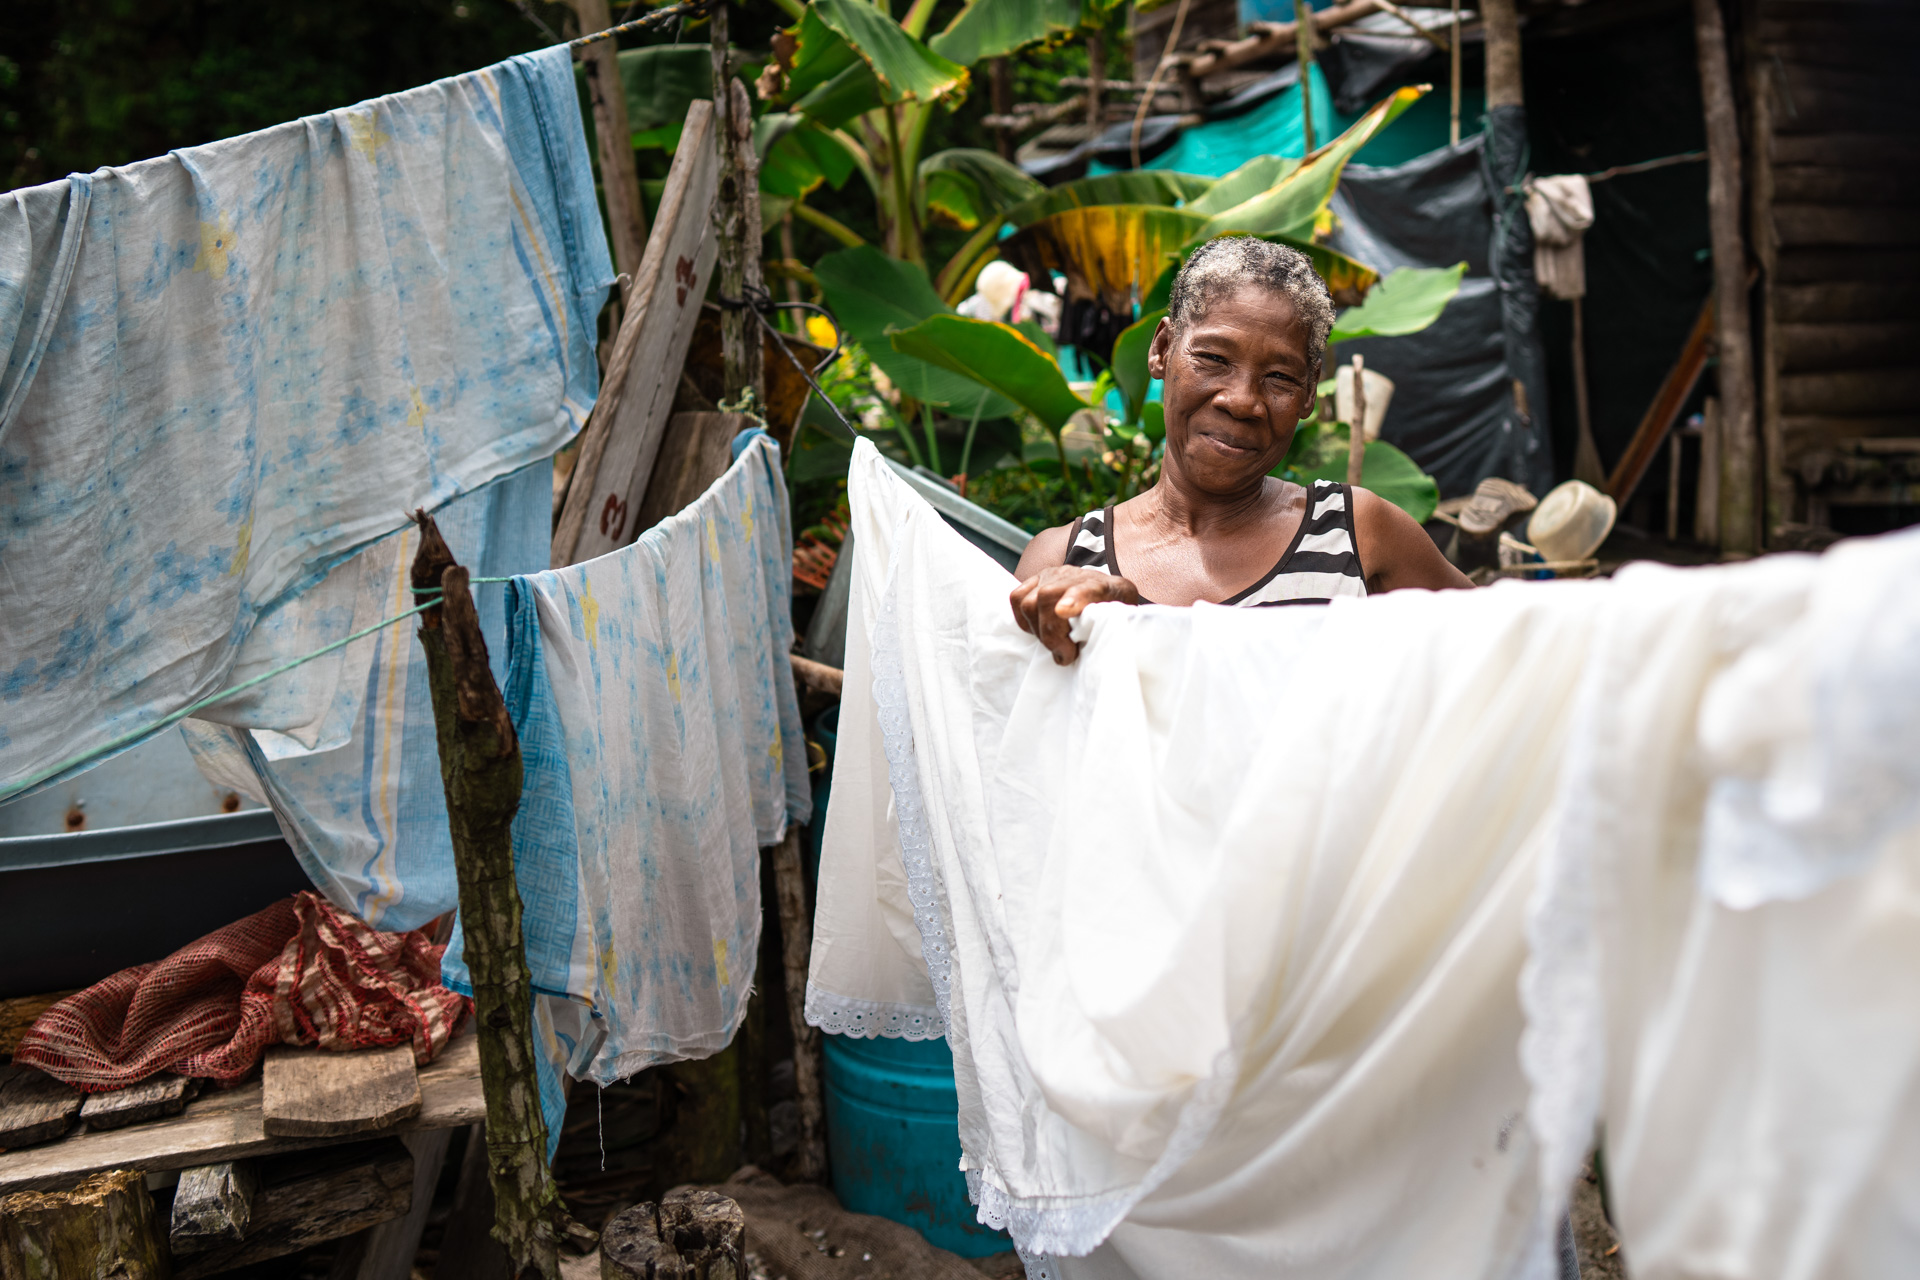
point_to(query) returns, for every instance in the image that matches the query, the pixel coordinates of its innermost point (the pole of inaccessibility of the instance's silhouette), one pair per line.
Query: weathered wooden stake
(619, 180)
(736, 221)
(1739, 447)
(1357, 429)
(796, 944)
(103, 1227)
(480, 767)
(1303, 45)
(1453, 77)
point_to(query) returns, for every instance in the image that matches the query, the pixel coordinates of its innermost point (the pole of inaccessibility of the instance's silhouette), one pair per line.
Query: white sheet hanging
(1226, 921)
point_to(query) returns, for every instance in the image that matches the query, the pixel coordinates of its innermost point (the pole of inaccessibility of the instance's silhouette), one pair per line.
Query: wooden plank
(1831, 183)
(162, 1095)
(386, 1252)
(1658, 420)
(695, 451)
(105, 1228)
(619, 181)
(1864, 392)
(609, 481)
(226, 1125)
(1862, 150)
(1805, 431)
(212, 1206)
(1839, 266)
(316, 1093)
(1847, 301)
(1827, 224)
(309, 1197)
(34, 1107)
(1826, 347)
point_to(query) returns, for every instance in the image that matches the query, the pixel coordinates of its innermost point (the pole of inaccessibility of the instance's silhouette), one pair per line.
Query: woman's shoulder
(1047, 549)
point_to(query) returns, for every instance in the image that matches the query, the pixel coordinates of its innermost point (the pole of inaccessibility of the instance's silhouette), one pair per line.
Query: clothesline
(135, 735)
(658, 18)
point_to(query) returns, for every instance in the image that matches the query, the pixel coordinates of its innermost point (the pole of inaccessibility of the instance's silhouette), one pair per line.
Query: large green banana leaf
(1319, 452)
(989, 28)
(904, 67)
(1249, 180)
(987, 184)
(852, 93)
(1407, 301)
(797, 155)
(1289, 207)
(820, 55)
(997, 356)
(871, 294)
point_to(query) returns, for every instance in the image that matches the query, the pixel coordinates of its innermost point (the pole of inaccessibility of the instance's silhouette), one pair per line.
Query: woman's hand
(1046, 603)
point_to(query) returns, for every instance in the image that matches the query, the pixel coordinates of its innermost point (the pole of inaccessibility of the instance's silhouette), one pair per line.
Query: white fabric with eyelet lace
(1225, 923)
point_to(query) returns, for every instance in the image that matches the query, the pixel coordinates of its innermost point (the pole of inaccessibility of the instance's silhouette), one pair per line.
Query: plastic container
(893, 1135)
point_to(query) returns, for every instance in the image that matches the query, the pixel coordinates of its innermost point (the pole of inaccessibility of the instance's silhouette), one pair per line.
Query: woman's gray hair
(1227, 264)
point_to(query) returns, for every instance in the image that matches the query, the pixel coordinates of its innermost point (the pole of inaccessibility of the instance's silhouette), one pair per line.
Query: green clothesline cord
(128, 739)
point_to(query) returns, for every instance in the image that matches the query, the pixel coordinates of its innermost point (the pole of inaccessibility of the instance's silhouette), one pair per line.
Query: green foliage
(1346, 279)
(872, 294)
(661, 81)
(1319, 452)
(974, 184)
(797, 155)
(990, 28)
(998, 356)
(1129, 365)
(1407, 301)
(903, 67)
(1249, 180)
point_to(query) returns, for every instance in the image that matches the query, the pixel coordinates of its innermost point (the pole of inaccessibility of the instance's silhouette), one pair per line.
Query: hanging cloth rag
(654, 702)
(362, 802)
(1228, 923)
(1560, 209)
(231, 368)
(299, 972)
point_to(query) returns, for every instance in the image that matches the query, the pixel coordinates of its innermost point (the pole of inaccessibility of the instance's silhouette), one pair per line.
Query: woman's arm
(1396, 552)
(1050, 594)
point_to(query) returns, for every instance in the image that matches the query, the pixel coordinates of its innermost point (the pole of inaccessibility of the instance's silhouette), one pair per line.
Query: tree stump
(102, 1228)
(693, 1234)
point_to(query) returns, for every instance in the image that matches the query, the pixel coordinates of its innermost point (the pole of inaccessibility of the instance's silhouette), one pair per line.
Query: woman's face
(1238, 381)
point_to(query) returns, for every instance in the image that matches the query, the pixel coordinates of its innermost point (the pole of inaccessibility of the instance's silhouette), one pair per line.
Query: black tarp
(1453, 407)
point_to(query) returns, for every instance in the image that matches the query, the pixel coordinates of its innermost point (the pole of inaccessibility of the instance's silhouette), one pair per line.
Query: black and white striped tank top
(1321, 563)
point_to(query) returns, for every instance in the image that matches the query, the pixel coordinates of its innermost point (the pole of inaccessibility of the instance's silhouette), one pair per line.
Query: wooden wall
(1834, 165)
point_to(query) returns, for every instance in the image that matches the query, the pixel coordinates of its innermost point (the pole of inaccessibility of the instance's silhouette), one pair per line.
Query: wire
(128, 739)
(1620, 170)
(658, 18)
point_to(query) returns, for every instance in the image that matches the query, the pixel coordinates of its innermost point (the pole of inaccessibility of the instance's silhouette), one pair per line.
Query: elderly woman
(1240, 353)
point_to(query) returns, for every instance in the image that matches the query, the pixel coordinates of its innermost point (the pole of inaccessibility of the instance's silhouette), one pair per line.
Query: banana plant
(851, 80)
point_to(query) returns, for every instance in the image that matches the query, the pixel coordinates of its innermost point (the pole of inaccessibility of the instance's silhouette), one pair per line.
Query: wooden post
(1740, 531)
(796, 942)
(736, 222)
(1000, 91)
(103, 1227)
(1706, 494)
(1453, 70)
(1357, 429)
(1502, 26)
(1096, 84)
(619, 180)
(692, 1234)
(1303, 44)
(480, 768)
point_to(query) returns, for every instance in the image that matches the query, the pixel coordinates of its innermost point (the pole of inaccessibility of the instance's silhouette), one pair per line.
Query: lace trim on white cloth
(870, 1019)
(1040, 1231)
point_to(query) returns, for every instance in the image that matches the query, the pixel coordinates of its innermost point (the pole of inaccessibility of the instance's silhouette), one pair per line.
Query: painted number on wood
(684, 273)
(613, 517)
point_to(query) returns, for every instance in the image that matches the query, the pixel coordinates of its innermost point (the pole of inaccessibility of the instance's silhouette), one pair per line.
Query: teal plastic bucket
(893, 1133)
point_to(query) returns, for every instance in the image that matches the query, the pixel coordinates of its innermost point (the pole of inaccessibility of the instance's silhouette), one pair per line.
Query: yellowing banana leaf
(904, 67)
(1129, 363)
(1136, 186)
(950, 198)
(1319, 452)
(1114, 252)
(820, 56)
(1288, 208)
(1347, 280)
(1407, 301)
(797, 155)
(989, 28)
(997, 356)
(870, 294)
(1249, 180)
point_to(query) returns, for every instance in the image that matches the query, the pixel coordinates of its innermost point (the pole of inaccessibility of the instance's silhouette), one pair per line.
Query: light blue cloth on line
(228, 369)
(654, 702)
(366, 813)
